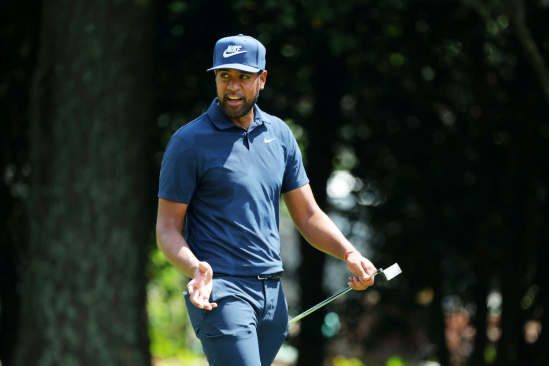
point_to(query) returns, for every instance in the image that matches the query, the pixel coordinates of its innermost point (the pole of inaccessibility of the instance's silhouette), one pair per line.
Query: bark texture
(84, 285)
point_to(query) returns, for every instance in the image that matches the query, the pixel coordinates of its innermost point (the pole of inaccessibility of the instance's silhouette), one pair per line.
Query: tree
(18, 49)
(84, 286)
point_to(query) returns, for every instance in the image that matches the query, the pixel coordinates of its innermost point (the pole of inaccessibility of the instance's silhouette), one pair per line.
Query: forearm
(177, 251)
(321, 232)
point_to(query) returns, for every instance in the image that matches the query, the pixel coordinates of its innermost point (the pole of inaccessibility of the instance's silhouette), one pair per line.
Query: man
(224, 173)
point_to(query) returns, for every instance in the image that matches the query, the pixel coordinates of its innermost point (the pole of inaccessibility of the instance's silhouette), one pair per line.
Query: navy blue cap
(240, 53)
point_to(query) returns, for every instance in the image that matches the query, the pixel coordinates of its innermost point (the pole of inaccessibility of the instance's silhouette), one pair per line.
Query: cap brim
(236, 67)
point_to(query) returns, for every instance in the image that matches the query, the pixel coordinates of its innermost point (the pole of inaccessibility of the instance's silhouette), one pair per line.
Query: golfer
(224, 173)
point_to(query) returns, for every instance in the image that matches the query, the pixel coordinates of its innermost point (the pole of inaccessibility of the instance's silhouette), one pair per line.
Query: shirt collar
(222, 122)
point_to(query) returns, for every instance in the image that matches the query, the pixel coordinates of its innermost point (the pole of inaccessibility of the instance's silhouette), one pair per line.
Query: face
(238, 91)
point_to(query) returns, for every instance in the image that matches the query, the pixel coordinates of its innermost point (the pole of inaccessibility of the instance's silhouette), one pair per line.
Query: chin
(235, 112)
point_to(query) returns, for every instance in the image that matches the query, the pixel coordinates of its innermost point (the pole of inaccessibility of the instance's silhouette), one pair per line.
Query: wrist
(349, 252)
(194, 267)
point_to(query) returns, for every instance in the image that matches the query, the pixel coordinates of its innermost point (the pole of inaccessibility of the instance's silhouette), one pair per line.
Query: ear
(262, 79)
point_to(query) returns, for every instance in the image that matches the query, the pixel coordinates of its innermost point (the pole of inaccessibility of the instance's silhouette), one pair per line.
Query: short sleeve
(179, 171)
(294, 173)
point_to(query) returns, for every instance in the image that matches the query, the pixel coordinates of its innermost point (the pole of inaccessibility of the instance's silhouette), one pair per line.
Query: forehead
(235, 71)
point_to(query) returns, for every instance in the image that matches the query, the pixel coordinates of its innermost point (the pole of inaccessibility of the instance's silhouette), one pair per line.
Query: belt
(263, 277)
(272, 276)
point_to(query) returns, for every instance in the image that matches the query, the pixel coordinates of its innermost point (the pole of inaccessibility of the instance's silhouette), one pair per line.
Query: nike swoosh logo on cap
(225, 54)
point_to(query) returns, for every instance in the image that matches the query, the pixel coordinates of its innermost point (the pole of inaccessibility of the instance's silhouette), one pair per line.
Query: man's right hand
(200, 287)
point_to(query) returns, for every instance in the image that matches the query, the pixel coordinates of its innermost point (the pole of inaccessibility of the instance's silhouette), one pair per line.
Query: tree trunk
(84, 283)
(322, 129)
(480, 295)
(9, 278)
(524, 215)
(437, 332)
(540, 352)
(18, 50)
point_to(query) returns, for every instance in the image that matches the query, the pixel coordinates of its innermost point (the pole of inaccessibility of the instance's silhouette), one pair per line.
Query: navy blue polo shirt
(232, 180)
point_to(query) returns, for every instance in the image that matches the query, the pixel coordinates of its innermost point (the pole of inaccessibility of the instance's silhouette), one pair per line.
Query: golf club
(389, 273)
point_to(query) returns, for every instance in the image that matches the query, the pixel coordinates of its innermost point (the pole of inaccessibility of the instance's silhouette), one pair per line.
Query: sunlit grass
(172, 340)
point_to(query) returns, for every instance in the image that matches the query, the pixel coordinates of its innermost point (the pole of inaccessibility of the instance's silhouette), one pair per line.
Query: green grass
(172, 339)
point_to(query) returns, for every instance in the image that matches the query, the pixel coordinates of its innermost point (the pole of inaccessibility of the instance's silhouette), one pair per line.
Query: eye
(244, 77)
(224, 75)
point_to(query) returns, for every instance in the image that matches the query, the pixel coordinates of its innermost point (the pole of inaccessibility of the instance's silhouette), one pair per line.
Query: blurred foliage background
(424, 127)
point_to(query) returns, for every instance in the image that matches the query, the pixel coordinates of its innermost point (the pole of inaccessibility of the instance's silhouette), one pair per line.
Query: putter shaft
(333, 297)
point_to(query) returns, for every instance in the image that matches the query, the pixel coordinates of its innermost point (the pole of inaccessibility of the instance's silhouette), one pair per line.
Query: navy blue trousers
(249, 324)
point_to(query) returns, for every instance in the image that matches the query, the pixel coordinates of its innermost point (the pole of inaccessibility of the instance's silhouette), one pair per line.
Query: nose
(233, 85)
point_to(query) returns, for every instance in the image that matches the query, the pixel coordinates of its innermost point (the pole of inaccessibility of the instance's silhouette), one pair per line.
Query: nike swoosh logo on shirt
(225, 54)
(267, 141)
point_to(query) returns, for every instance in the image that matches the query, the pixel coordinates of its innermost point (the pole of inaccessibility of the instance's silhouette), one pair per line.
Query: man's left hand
(362, 268)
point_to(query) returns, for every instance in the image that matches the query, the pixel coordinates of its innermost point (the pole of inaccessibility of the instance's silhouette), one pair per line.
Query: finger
(206, 303)
(362, 274)
(354, 283)
(368, 281)
(196, 300)
(211, 306)
(368, 267)
(356, 287)
(196, 303)
(362, 285)
(190, 288)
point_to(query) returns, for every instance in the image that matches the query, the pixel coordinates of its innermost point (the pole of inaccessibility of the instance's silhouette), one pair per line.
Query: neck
(245, 121)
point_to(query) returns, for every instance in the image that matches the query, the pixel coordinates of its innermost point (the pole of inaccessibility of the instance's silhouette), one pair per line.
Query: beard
(242, 110)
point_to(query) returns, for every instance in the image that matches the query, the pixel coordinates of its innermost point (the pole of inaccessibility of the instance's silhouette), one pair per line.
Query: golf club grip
(316, 307)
